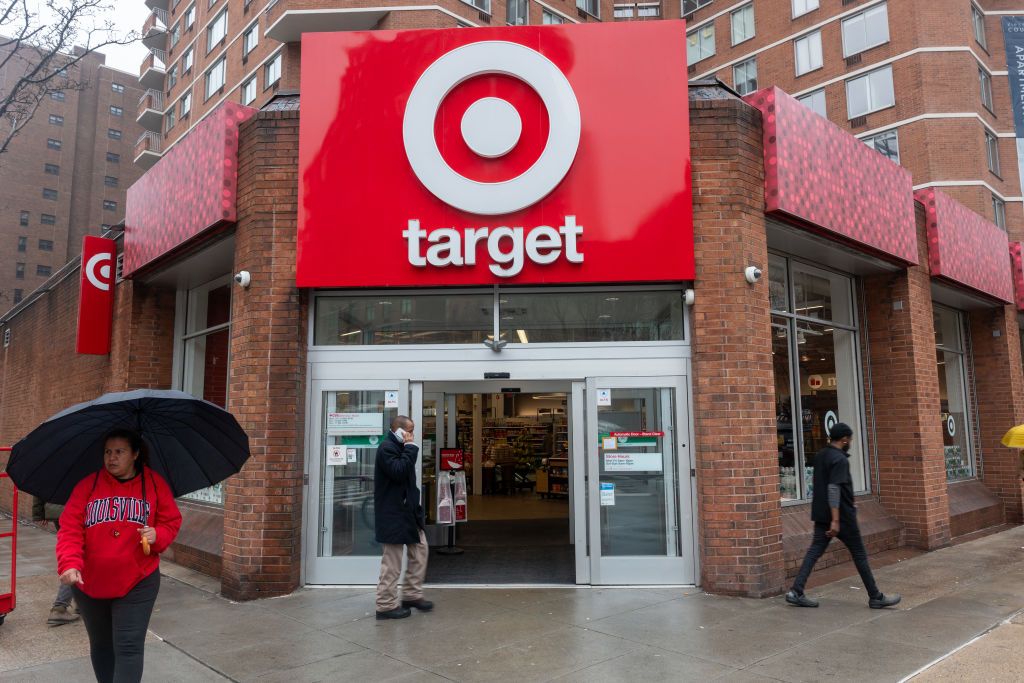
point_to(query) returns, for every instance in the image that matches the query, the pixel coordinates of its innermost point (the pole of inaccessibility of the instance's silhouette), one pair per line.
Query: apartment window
(802, 7)
(992, 152)
(870, 92)
(272, 71)
(172, 77)
(651, 10)
(51, 169)
(978, 21)
(110, 181)
(808, 53)
(691, 6)
(215, 77)
(482, 5)
(49, 193)
(986, 88)
(19, 294)
(249, 91)
(58, 96)
(53, 144)
(251, 39)
(56, 120)
(113, 133)
(169, 120)
(623, 11)
(45, 245)
(175, 35)
(117, 87)
(186, 61)
(109, 205)
(700, 44)
(217, 30)
(866, 30)
(22, 244)
(956, 416)
(116, 111)
(591, 7)
(19, 271)
(47, 219)
(43, 271)
(23, 218)
(105, 227)
(113, 158)
(744, 76)
(186, 104)
(549, 18)
(517, 13)
(743, 24)
(887, 144)
(190, 17)
(999, 211)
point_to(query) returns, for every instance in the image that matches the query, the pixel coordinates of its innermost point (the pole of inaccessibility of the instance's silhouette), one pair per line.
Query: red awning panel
(964, 248)
(188, 191)
(820, 177)
(1017, 270)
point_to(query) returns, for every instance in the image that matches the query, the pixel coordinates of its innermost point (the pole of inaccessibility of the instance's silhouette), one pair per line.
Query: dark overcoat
(398, 515)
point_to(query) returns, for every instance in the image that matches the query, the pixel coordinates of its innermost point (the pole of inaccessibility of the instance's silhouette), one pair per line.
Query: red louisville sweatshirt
(99, 531)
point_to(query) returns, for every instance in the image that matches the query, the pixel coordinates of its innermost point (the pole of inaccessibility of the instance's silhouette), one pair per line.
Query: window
(272, 71)
(591, 7)
(172, 77)
(550, 18)
(19, 271)
(870, 92)
(116, 111)
(815, 352)
(175, 35)
(992, 152)
(744, 76)
(23, 219)
(700, 44)
(215, 78)
(986, 88)
(743, 24)
(110, 181)
(482, 5)
(113, 158)
(886, 144)
(169, 120)
(808, 53)
(51, 169)
(58, 96)
(186, 105)
(186, 61)
(217, 30)
(249, 91)
(999, 211)
(623, 11)
(22, 244)
(45, 245)
(56, 120)
(802, 7)
(978, 21)
(109, 205)
(49, 193)
(53, 144)
(953, 395)
(517, 13)
(43, 271)
(866, 30)
(190, 17)
(19, 294)
(105, 227)
(47, 219)
(691, 6)
(652, 10)
(113, 133)
(117, 87)
(251, 39)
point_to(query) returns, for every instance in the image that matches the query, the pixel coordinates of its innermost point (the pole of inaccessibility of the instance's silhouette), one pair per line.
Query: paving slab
(650, 665)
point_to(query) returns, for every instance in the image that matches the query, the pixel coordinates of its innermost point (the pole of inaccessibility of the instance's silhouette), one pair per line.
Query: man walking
(61, 613)
(399, 522)
(835, 516)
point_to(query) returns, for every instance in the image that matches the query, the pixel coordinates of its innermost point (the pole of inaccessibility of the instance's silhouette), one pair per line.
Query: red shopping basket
(7, 600)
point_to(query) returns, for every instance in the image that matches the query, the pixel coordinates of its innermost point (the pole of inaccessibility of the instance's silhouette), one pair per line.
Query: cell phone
(400, 433)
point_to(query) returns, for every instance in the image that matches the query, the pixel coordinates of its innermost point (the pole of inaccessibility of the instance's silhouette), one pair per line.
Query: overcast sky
(128, 15)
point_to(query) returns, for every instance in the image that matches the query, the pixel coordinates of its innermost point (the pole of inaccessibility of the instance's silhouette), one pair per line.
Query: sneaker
(883, 601)
(61, 614)
(800, 600)
(396, 613)
(421, 604)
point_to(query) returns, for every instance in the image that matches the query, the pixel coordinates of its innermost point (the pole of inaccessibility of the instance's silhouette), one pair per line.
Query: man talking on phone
(399, 523)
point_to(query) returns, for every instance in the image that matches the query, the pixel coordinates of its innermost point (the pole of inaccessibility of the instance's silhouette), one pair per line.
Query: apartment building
(923, 82)
(205, 52)
(65, 175)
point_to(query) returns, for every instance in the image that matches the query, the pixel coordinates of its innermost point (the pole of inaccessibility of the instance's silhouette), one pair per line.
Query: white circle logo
(93, 266)
(951, 425)
(830, 421)
(491, 127)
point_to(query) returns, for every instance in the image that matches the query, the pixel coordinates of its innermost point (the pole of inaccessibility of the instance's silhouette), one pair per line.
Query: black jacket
(396, 498)
(832, 466)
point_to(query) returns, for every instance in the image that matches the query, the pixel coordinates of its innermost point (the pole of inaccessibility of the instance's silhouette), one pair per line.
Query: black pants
(117, 630)
(849, 534)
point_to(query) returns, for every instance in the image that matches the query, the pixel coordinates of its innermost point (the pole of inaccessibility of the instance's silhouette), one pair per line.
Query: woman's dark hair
(134, 440)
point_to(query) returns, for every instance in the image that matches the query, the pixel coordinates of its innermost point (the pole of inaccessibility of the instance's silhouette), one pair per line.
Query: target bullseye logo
(99, 264)
(491, 127)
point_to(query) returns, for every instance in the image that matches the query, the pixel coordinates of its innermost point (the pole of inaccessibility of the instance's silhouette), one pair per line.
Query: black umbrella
(192, 443)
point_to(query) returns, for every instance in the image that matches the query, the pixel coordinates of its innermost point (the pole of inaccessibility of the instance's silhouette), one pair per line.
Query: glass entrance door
(640, 493)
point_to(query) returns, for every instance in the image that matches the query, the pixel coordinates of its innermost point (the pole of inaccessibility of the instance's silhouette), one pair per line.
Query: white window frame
(254, 32)
(698, 4)
(190, 17)
(742, 13)
(517, 12)
(812, 97)
(701, 55)
(549, 18)
(978, 26)
(807, 5)
(218, 27)
(810, 39)
(188, 60)
(862, 17)
(219, 68)
(623, 11)
(481, 5)
(872, 106)
(246, 100)
(872, 142)
(992, 153)
(999, 212)
(986, 89)
(591, 7)
(273, 64)
(650, 9)
(745, 64)
(186, 105)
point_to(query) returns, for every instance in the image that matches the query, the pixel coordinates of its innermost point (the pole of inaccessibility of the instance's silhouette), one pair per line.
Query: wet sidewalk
(602, 634)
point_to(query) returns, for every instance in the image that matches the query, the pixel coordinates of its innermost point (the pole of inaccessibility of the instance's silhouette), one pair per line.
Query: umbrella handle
(145, 546)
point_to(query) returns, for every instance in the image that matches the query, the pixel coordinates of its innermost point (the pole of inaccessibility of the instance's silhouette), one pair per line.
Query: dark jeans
(849, 534)
(117, 630)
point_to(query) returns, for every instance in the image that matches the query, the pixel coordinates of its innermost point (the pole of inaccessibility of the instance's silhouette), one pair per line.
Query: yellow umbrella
(1015, 437)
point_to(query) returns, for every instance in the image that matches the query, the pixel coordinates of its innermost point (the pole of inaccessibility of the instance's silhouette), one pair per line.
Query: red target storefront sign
(96, 302)
(547, 154)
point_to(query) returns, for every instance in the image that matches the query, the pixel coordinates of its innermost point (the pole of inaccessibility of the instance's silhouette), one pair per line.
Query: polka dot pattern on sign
(191, 189)
(1017, 266)
(819, 176)
(964, 248)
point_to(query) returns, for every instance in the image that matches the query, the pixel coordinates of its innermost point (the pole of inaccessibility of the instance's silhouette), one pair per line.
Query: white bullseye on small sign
(491, 127)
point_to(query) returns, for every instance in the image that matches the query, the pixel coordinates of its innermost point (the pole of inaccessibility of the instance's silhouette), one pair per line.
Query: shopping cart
(7, 601)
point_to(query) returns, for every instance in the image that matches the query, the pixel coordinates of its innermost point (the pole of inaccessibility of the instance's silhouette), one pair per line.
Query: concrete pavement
(570, 634)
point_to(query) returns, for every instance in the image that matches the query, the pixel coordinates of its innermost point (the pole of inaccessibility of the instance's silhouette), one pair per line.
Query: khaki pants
(391, 569)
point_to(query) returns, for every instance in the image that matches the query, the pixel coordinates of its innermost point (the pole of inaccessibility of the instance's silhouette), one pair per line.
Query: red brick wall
(734, 416)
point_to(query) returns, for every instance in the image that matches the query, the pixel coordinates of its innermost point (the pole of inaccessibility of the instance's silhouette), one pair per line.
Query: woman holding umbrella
(112, 531)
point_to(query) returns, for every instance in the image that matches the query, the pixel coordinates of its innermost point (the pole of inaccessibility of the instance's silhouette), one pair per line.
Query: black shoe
(421, 604)
(397, 613)
(800, 600)
(883, 601)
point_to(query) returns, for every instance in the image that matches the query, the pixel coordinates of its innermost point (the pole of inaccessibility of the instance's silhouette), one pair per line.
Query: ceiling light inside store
(611, 298)
(522, 337)
(349, 334)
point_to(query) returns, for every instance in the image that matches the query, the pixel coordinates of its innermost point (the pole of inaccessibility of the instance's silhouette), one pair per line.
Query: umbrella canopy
(1014, 438)
(191, 443)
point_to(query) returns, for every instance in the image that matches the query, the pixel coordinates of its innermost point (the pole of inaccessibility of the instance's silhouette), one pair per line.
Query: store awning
(822, 179)
(1017, 270)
